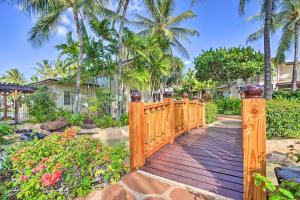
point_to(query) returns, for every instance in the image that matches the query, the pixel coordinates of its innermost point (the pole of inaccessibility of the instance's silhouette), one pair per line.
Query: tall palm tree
(289, 20)
(162, 21)
(13, 76)
(44, 69)
(268, 7)
(50, 15)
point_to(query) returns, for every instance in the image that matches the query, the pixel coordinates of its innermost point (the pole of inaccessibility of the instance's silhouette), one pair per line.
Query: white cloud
(65, 20)
(187, 62)
(61, 31)
(136, 5)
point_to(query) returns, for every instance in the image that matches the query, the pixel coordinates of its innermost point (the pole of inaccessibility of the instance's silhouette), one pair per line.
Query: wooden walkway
(208, 158)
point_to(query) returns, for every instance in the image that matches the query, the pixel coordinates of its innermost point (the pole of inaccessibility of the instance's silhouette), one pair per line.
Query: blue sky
(217, 21)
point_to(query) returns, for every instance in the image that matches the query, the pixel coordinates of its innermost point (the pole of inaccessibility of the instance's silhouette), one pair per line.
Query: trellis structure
(15, 90)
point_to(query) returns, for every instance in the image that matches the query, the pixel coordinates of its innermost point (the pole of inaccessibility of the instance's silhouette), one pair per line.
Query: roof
(10, 87)
(60, 81)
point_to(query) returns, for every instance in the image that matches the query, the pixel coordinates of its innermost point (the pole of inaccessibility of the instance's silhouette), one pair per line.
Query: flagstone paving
(142, 186)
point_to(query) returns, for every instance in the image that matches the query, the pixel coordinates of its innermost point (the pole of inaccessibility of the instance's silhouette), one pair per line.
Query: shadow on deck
(208, 158)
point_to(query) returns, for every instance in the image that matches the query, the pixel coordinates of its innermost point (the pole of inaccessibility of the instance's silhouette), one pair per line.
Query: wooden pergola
(15, 90)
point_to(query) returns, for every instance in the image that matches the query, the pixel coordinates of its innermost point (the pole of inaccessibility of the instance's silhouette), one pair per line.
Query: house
(64, 91)
(281, 78)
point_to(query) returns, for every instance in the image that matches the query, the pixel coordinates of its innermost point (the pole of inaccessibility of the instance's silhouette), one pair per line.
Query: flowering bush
(62, 166)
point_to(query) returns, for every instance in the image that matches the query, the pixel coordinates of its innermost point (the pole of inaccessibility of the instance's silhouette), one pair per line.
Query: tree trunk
(80, 61)
(119, 70)
(294, 77)
(267, 51)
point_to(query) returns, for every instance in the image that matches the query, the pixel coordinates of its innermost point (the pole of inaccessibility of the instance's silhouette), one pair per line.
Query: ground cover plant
(61, 166)
(229, 106)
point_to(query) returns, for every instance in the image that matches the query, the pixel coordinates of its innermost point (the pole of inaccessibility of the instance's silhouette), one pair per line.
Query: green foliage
(283, 118)
(5, 130)
(98, 103)
(211, 112)
(286, 94)
(75, 119)
(41, 105)
(63, 166)
(229, 106)
(107, 121)
(226, 65)
(286, 191)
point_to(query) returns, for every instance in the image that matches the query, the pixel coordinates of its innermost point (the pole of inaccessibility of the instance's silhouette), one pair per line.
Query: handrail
(153, 125)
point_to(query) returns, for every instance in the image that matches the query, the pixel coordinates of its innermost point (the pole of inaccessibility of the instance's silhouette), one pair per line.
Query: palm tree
(44, 69)
(289, 20)
(268, 7)
(163, 22)
(13, 76)
(50, 15)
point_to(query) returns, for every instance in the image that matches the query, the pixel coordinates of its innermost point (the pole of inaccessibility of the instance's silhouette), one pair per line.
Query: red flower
(44, 160)
(24, 178)
(51, 179)
(106, 158)
(39, 168)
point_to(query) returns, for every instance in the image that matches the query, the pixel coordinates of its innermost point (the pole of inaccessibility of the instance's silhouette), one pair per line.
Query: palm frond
(44, 28)
(176, 20)
(177, 46)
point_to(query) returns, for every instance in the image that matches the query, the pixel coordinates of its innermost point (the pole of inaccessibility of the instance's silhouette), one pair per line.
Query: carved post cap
(136, 97)
(167, 94)
(185, 96)
(253, 91)
(195, 97)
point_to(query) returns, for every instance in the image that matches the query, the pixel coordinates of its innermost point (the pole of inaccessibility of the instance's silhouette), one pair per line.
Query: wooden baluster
(168, 98)
(136, 138)
(203, 113)
(186, 112)
(254, 140)
(196, 111)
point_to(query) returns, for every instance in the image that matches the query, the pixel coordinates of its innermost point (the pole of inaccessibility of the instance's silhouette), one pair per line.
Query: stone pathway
(143, 186)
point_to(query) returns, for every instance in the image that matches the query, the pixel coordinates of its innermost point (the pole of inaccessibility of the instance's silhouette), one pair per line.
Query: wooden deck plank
(207, 158)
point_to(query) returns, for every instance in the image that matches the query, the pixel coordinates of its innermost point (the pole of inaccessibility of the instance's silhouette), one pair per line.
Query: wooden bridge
(169, 139)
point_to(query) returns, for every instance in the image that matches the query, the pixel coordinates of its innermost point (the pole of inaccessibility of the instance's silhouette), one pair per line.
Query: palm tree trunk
(267, 51)
(119, 70)
(80, 61)
(294, 77)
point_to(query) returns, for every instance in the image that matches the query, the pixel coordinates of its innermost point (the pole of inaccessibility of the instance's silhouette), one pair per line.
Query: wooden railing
(153, 125)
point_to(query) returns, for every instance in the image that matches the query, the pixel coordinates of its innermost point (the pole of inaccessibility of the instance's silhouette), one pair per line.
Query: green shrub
(286, 94)
(5, 129)
(63, 167)
(75, 119)
(286, 190)
(106, 121)
(283, 119)
(41, 105)
(211, 112)
(124, 120)
(229, 106)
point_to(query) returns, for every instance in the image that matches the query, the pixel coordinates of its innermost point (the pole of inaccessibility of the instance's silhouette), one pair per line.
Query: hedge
(283, 118)
(229, 106)
(286, 94)
(211, 112)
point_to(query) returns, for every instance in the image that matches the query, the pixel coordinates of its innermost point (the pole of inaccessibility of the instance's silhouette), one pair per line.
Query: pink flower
(39, 168)
(44, 160)
(51, 179)
(24, 178)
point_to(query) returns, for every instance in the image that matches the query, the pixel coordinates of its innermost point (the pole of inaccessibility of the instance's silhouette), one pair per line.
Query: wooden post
(136, 139)
(254, 140)
(16, 102)
(5, 105)
(168, 98)
(186, 112)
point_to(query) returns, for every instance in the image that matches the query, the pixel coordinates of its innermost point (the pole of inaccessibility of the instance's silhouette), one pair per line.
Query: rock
(23, 131)
(29, 136)
(180, 193)
(288, 173)
(89, 126)
(55, 125)
(115, 192)
(144, 184)
(281, 159)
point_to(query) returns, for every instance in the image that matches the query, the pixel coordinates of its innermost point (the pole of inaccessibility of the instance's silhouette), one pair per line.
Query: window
(67, 98)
